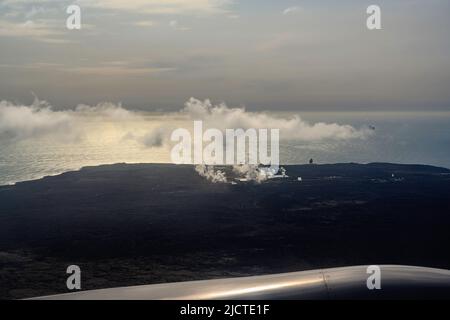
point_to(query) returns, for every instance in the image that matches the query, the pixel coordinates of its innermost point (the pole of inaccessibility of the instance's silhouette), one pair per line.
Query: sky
(265, 55)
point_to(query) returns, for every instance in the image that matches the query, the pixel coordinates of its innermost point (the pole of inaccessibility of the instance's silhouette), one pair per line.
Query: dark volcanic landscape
(147, 223)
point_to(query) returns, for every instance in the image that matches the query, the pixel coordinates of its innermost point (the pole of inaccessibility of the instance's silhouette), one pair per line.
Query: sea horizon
(407, 138)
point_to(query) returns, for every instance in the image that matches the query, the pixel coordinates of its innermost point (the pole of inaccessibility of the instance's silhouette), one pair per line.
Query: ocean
(413, 138)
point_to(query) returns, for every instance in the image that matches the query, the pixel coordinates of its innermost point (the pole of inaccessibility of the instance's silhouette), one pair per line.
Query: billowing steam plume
(211, 174)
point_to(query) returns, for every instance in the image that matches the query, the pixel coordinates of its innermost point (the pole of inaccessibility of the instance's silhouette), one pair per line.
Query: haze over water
(419, 138)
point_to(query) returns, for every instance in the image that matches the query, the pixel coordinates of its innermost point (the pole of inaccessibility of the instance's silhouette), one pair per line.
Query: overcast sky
(271, 55)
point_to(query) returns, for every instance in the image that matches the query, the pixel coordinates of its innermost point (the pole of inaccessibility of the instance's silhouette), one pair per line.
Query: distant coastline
(112, 165)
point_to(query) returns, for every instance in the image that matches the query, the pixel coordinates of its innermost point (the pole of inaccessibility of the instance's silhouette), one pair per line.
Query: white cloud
(196, 7)
(38, 120)
(39, 30)
(250, 172)
(107, 68)
(34, 11)
(165, 7)
(115, 70)
(222, 117)
(33, 65)
(18, 122)
(21, 15)
(176, 26)
(247, 172)
(105, 110)
(144, 23)
(291, 10)
(211, 174)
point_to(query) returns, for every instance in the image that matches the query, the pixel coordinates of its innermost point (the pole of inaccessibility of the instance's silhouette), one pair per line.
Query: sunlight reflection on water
(402, 138)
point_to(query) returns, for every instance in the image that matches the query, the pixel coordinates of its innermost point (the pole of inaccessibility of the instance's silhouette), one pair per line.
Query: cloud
(176, 26)
(144, 23)
(108, 68)
(33, 65)
(116, 70)
(18, 122)
(233, 16)
(105, 110)
(41, 30)
(245, 172)
(276, 42)
(154, 138)
(35, 11)
(167, 7)
(294, 127)
(39, 120)
(291, 10)
(250, 172)
(223, 117)
(211, 174)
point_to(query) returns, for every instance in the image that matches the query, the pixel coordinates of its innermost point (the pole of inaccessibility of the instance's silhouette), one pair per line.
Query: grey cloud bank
(18, 122)
(320, 58)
